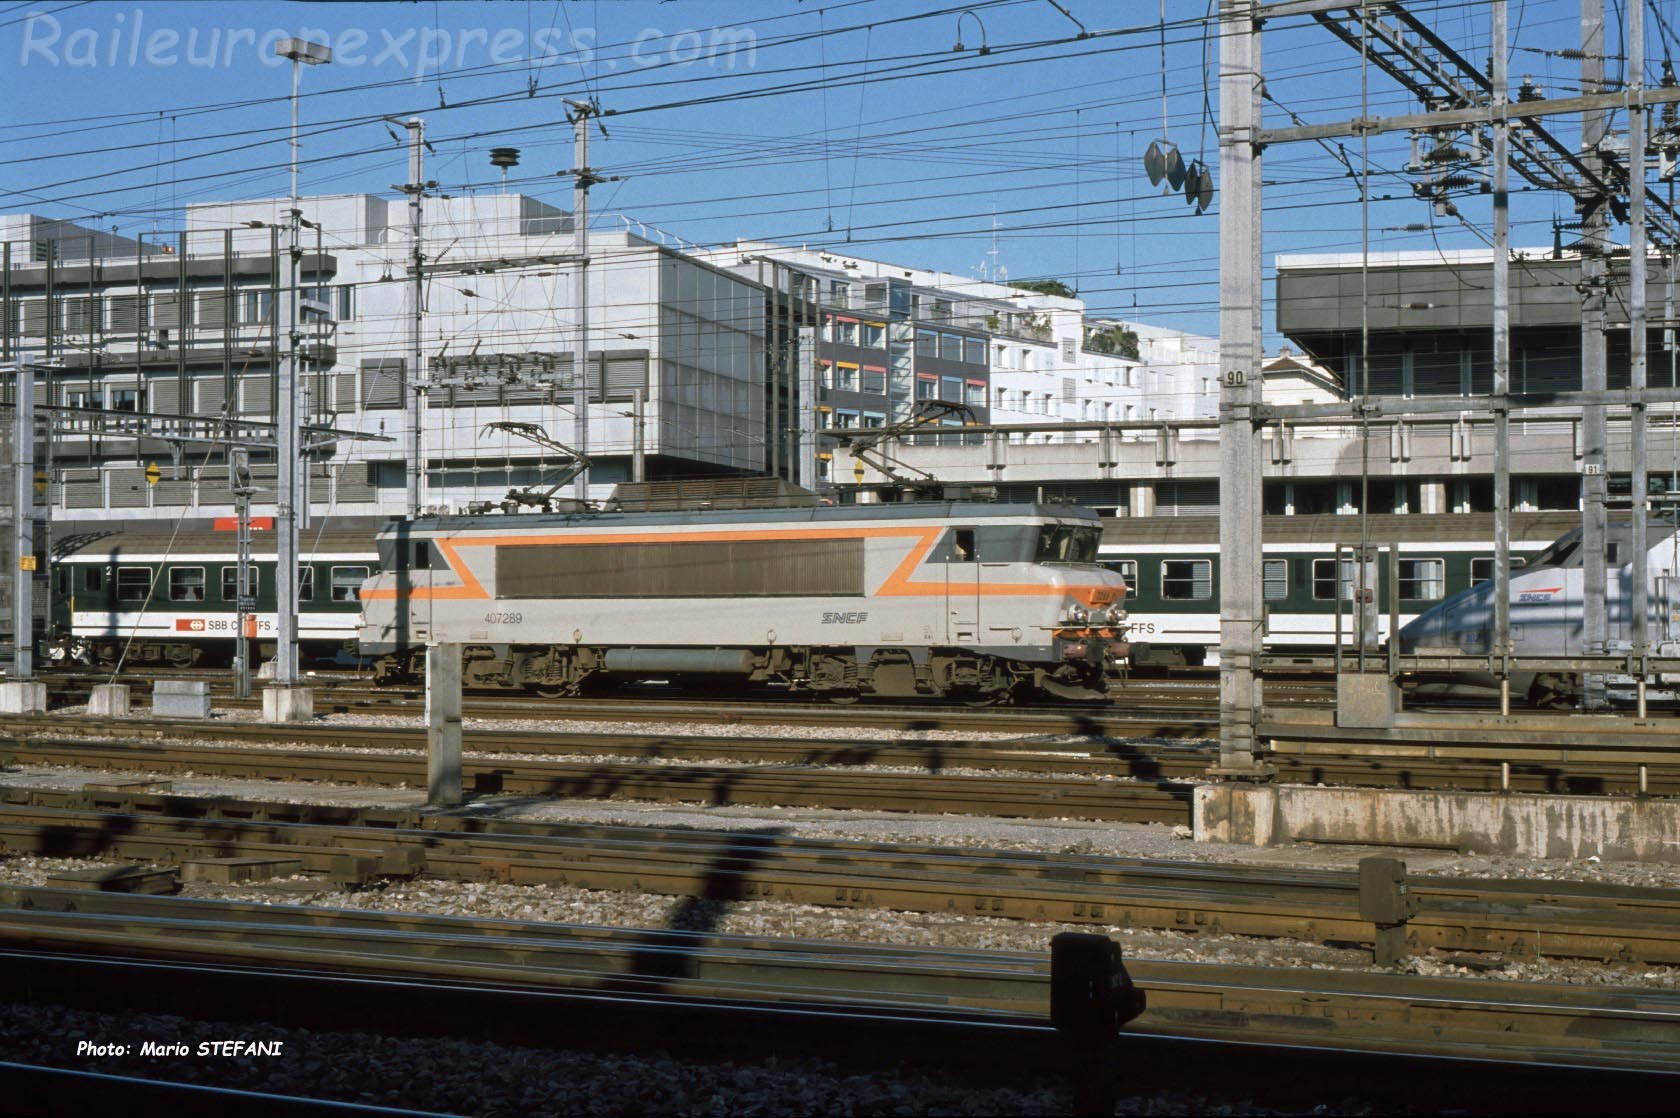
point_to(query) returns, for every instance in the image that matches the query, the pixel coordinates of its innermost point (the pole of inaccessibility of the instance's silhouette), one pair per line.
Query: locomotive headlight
(1076, 614)
(1116, 615)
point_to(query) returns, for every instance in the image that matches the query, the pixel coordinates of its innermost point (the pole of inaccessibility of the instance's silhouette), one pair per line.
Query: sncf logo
(849, 617)
(1544, 594)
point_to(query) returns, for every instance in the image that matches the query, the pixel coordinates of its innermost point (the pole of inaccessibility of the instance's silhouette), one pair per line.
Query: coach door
(962, 588)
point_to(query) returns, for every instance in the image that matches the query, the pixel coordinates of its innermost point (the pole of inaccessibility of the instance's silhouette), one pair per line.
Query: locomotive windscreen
(673, 569)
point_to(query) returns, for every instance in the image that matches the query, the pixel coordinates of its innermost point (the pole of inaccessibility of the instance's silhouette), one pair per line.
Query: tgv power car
(970, 601)
(1546, 613)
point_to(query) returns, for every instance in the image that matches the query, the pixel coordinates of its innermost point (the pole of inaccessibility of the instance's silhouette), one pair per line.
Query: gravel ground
(561, 904)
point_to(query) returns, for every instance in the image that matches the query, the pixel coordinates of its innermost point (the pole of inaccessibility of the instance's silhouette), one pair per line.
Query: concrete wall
(1612, 828)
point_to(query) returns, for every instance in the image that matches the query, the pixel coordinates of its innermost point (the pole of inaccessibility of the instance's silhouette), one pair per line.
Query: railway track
(1010, 796)
(1520, 1023)
(1158, 757)
(1511, 918)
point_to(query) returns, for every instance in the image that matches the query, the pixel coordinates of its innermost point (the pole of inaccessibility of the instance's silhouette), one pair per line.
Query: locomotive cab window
(134, 584)
(186, 584)
(1423, 580)
(306, 584)
(347, 583)
(962, 546)
(1061, 543)
(1481, 570)
(1275, 580)
(1187, 580)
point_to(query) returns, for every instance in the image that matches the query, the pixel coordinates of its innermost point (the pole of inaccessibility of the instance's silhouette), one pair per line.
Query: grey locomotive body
(954, 599)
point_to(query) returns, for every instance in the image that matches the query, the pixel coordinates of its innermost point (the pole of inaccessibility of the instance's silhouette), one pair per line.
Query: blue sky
(845, 122)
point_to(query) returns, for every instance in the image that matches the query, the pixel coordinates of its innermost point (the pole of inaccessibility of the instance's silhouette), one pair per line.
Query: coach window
(186, 584)
(306, 584)
(1324, 579)
(61, 581)
(347, 583)
(134, 584)
(95, 579)
(1187, 580)
(230, 582)
(1275, 580)
(1422, 580)
(1127, 570)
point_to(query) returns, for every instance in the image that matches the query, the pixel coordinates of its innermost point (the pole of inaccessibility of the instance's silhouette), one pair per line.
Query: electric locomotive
(953, 599)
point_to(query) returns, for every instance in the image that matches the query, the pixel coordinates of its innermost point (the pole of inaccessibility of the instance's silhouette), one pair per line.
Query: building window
(254, 307)
(845, 418)
(1001, 398)
(874, 335)
(1325, 577)
(846, 377)
(230, 582)
(347, 583)
(828, 328)
(1187, 580)
(951, 347)
(942, 310)
(927, 388)
(927, 343)
(974, 395)
(874, 381)
(125, 399)
(826, 374)
(874, 419)
(306, 584)
(186, 584)
(974, 351)
(346, 309)
(841, 293)
(847, 333)
(951, 389)
(134, 584)
(1067, 350)
(1423, 580)
(1275, 580)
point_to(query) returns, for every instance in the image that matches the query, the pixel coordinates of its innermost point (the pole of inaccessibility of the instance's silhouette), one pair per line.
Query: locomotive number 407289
(504, 617)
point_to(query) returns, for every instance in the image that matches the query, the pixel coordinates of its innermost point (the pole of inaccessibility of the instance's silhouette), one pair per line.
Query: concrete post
(443, 725)
(1239, 443)
(1141, 500)
(1595, 243)
(1432, 496)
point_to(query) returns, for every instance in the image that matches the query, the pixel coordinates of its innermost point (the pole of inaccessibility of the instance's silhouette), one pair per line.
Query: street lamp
(285, 701)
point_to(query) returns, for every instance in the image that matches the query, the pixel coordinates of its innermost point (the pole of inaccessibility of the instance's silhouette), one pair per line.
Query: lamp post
(286, 701)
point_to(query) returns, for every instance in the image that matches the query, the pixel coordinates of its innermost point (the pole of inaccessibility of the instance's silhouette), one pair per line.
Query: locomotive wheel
(843, 698)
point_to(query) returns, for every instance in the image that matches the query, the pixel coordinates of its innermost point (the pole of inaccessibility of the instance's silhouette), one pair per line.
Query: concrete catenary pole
(1239, 321)
(1595, 242)
(582, 180)
(1637, 349)
(1501, 356)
